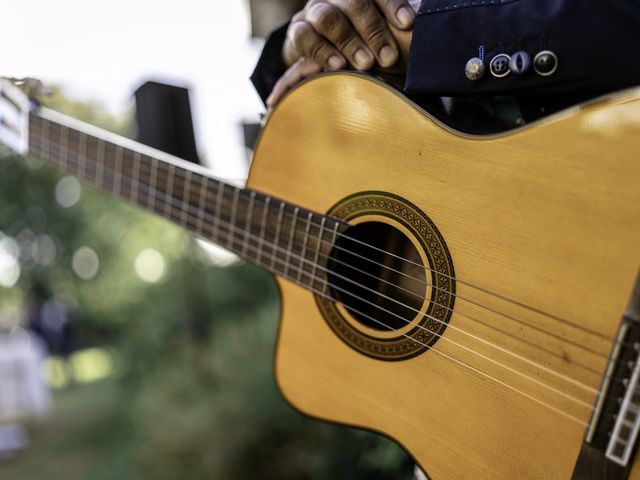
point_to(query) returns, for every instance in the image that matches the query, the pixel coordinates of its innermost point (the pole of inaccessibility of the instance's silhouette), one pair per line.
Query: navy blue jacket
(596, 44)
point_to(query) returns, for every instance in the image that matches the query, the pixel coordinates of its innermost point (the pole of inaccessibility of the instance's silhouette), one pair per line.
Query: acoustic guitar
(474, 298)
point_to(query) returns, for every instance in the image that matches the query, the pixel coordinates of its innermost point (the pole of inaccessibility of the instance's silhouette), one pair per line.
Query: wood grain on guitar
(462, 295)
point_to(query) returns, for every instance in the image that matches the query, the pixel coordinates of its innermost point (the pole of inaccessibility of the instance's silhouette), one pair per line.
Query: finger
(300, 70)
(330, 22)
(372, 28)
(398, 12)
(315, 47)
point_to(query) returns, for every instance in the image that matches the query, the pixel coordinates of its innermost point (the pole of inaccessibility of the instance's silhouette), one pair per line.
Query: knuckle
(375, 34)
(299, 33)
(350, 43)
(326, 18)
(318, 51)
(355, 8)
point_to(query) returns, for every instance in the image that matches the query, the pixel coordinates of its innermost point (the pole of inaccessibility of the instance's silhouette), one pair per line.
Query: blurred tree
(188, 404)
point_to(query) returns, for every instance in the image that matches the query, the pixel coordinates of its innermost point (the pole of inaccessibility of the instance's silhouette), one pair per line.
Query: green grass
(85, 437)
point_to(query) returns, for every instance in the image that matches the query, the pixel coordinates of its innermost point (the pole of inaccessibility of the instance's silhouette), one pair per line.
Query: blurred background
(127, 348)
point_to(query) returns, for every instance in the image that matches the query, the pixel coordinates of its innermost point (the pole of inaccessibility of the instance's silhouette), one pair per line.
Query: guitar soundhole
(377, 274)
(390, 278)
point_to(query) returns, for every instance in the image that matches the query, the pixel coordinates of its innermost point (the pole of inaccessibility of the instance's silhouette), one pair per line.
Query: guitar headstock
(14, 115)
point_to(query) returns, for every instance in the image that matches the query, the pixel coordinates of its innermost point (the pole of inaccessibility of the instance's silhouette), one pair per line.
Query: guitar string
(453, 327)
(484, 290)
(459, 297)
(473, 318)
(534, 327)
(435, 286)
(69, 151)
(330, 298)
(471, 285)
(402, 318)
(131, 181)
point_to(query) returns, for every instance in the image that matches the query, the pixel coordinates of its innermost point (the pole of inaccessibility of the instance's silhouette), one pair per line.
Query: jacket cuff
(588, 38)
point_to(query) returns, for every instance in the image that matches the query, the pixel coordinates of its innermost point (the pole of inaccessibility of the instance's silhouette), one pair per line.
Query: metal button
(474, 70)
(520, 62)
(499, 65)
(545, 63)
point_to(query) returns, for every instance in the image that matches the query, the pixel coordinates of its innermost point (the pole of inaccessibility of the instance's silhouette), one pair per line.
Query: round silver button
(474, 69)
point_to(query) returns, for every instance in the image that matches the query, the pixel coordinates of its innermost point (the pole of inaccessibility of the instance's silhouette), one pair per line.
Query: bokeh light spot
(149, 265)
(9, 266)
(68, 191)
(85, 263)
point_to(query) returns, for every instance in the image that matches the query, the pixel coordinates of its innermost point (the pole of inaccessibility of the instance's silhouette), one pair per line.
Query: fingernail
(405, 17)
(335, 62)
(387, 56)
(362, 58)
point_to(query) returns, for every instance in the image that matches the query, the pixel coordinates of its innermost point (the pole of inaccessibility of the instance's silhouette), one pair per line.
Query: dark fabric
(270, 66)
(596, 42)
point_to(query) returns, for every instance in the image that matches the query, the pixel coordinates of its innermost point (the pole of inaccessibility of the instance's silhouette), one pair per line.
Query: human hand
(297, 72)
(334, 33)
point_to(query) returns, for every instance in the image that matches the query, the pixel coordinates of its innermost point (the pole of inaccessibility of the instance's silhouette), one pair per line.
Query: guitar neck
(285, 239)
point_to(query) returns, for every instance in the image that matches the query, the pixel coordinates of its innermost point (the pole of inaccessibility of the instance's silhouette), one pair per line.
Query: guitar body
(547, 218)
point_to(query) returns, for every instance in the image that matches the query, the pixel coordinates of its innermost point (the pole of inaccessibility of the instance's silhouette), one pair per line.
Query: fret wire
(82, 157)
(247, 229)
(318, 247)
(277, 234)
(64, 143)
(333, 242)
(186, 194)
(218, 215)
(176, 174)
(173, 215)
(100, 162)
(291, 236)
(169, 183)
(263, 226)
(201, 202)
(220, 197)
(118, 172)
(47, 138)
(303, 253)
(136, 177)
(234, 210)
(153, 183)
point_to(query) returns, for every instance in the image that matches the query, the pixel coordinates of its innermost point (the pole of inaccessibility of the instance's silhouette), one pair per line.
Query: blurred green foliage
(195, 397)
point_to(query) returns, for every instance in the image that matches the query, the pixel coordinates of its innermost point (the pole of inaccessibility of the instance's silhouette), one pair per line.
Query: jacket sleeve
(594, 43)
(270, 66)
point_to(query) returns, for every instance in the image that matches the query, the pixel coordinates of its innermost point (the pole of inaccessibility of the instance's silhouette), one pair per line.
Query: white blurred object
(13, 439)
(24, 394)
(419, 474)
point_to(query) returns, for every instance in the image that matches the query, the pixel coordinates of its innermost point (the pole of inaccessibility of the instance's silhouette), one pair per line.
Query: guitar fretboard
(285, 239)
